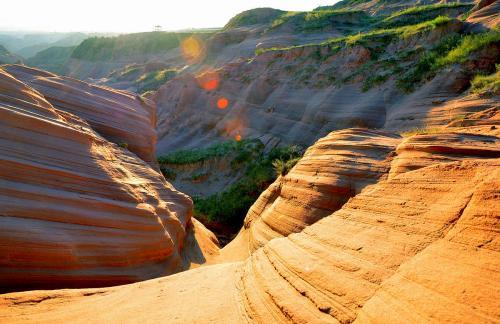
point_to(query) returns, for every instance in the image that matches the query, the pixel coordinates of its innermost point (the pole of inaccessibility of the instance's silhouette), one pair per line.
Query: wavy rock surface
(420, 247)
(423, 150)
(334, 169)
(75, 209)
(119, 116)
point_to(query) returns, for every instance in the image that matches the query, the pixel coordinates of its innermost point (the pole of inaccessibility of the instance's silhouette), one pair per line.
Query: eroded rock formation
(334, 169)
(75, 209)
(419, 247)
(121, 117)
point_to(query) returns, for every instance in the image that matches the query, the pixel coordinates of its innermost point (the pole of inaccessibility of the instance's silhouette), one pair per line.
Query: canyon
(370, 156)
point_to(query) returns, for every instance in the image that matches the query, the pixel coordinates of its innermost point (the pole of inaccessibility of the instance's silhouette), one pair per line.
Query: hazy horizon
(115, 16)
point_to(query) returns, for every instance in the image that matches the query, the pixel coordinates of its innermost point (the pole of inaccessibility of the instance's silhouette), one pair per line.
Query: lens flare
(208, 80)
(193, 50)
(222, 103)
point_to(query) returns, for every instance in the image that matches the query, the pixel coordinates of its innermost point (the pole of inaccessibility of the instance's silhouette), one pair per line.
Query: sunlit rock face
(121, 117)
(75, 209)
(334, 169)
(420, 247)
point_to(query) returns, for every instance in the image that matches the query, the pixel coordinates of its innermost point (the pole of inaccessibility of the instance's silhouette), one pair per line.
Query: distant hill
(110, 48)
(28, 44)
(52, 59)
(254, 17)
(8, 58)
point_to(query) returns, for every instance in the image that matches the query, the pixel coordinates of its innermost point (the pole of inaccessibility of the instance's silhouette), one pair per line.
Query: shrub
(282, 167)
(231, 206)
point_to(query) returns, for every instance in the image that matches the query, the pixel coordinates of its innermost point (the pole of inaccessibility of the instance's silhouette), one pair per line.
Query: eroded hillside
(357, 145)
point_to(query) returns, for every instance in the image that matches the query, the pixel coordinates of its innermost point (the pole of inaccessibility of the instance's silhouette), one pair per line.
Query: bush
(231, 206)
(282, 167)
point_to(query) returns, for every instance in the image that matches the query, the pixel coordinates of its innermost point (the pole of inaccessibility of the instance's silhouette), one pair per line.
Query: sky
(132, 15)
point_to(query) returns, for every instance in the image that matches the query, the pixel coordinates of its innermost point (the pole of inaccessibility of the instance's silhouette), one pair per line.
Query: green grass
(451, 50)
(254, 17)
(419, 14)
(371, 39)
(153, 80)
(230, 207)
(200, 155)
(485, 85)
(468, 45)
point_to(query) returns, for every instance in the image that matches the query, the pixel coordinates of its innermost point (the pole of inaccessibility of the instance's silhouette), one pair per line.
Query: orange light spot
(222, 103)
(192, 50)
(210, 84)
(237, 138)
(208, 80)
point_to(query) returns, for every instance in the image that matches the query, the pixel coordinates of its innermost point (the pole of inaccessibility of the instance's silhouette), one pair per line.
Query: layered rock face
(485, 14)
(121, 117)
(299, 95)
(75, 209)
(334, 169)
(422, 246)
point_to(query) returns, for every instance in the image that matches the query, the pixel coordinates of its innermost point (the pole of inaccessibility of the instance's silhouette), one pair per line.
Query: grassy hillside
(6, 57)
(111, 48)
(52, 59)
(254, 17)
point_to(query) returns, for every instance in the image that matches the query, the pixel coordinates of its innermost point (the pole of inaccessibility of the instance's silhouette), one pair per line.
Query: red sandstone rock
(421, 247)
(121, 117)
(75, 209)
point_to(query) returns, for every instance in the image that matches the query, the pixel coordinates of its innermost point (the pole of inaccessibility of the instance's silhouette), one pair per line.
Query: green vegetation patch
(322, 19)
(371, 39)
(487, 85)
(230, 207)
(254, 17)
(451, 50)
(153, 80)
(419, 14)
(200, 155)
